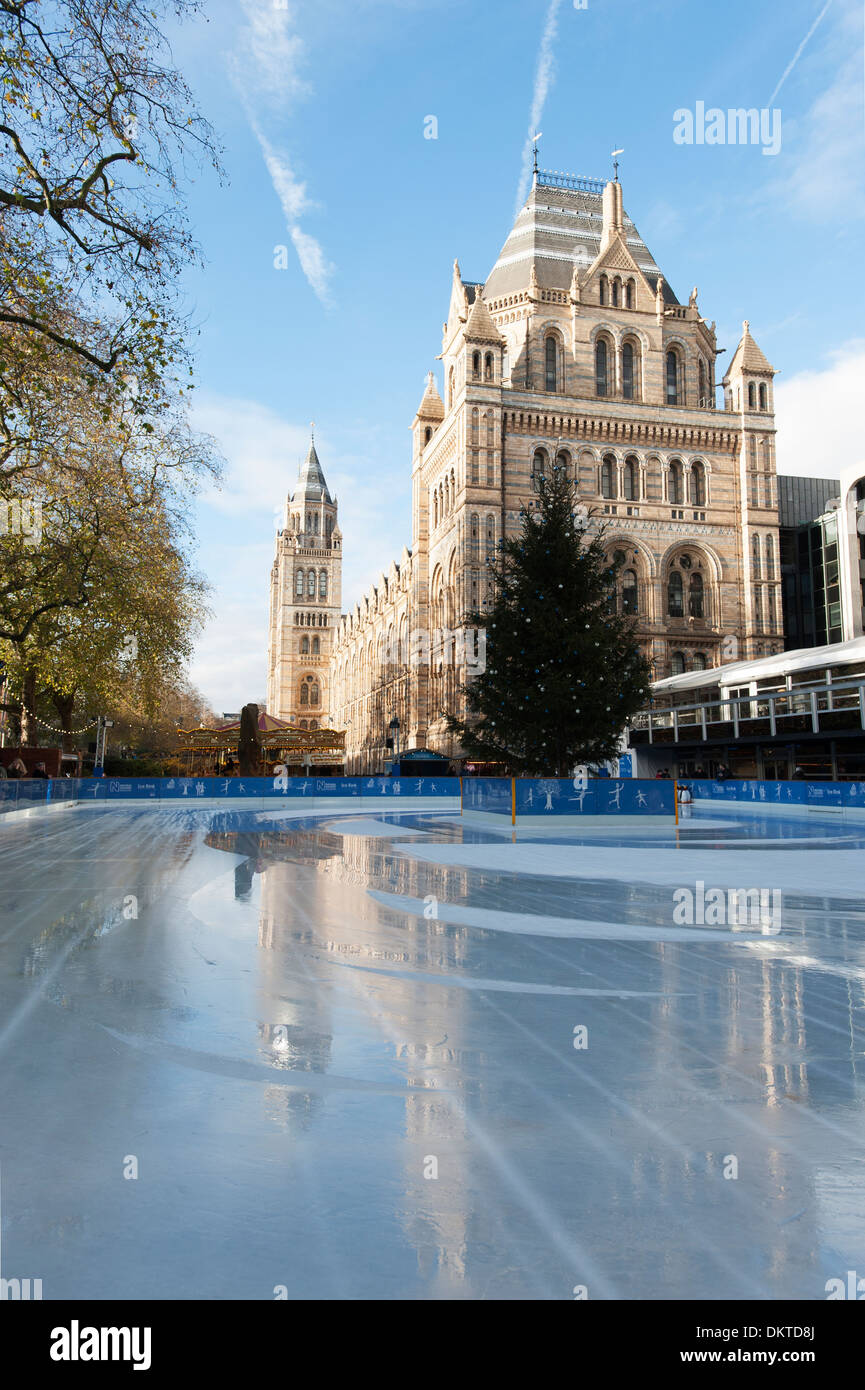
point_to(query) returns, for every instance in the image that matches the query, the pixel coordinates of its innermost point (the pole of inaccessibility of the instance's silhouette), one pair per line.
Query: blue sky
(322, 108)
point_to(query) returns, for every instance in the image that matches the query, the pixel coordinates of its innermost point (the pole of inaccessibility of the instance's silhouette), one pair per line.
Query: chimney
(612, 213)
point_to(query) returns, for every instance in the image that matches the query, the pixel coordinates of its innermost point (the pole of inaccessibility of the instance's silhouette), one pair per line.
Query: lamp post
(394, 729)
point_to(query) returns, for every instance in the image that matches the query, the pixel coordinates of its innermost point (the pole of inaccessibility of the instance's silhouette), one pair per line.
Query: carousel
(213, 752)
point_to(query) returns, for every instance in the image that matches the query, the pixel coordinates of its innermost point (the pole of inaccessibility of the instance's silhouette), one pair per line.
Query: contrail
(797, 55)
(543, 82)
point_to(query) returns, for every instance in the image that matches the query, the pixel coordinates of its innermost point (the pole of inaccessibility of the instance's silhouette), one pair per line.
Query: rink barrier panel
(24, 794)
(506, 796)
(826, 796)
(516, 797)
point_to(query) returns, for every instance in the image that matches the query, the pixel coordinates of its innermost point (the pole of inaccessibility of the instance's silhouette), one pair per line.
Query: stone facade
(575, 350)
(305, 603)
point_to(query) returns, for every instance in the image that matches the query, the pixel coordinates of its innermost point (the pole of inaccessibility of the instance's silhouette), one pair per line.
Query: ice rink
(363, 1054)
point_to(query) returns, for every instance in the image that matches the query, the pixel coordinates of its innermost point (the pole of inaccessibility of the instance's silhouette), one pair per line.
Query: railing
(817, 709)
(551, 178)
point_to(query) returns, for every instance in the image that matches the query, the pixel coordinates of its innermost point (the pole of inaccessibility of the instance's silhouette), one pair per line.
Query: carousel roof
(267, 724)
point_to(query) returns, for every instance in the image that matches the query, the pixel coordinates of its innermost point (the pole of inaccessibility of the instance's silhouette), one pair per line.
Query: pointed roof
(560, 228)
(748, 357)
(310, 479)
(479, 326)
(432, 405)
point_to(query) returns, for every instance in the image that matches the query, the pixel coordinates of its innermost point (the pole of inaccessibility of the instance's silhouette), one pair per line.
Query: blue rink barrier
(829, 795)
(25, 793)
(545, 796)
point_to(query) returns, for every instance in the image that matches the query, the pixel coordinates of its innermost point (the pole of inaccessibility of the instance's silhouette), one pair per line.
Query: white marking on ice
(529, 924)
(833, 873)
(507, 986)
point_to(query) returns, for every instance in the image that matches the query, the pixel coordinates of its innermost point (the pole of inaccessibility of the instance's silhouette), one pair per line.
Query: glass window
(695, 596)
(608, 477)
(629, 592)
(551, 364)
(632, 480)
(601, 374)
(672, 379)
(675, 596)
(628, 371)
(675, 484)
(678, 664)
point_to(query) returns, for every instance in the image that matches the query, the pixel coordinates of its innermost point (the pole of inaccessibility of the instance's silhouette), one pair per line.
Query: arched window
(608, 477)
(770, 558)
(616, 283)
(488, 367)
(675, 595)
(764, 396)
(298, 583)
(701, 373)
(629, 592)
(698, 485)
(315, 646)
(674, 484)
(539, 467)
(678, 665)
(629, 295)
(632, 480)
(700, 662)
(304, 645)
(602, 289)
(751, 396)
(310, 584)
(755, 557)
(601, 370)
(427, 434)
(628, 371)
(695, 596)
(475, 426)
(476, 364)
(563, 461)
(314, 693)
(304, 693)
(672, 378)
(551, 363)
(491, 534)
(322, 583)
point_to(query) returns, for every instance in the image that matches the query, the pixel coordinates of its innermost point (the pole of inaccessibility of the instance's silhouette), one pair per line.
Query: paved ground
(340, 1055)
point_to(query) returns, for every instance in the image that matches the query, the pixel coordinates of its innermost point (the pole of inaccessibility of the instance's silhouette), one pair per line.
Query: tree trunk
(29, 729)
(64, 705)
(249, 748)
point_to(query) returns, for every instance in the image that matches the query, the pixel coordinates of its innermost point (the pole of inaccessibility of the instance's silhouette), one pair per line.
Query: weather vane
(535, 139)
(614, 157)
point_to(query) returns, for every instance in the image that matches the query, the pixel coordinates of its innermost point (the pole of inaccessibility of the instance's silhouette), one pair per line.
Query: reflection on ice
(342, 1050)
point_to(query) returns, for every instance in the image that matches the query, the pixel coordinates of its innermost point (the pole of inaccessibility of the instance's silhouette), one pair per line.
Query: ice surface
(289, 1022)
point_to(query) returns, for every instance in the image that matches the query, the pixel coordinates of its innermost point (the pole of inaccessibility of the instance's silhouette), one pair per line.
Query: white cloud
(543, 81)
(237, 525)
(819, 415)
(818, 169)
(266, 64)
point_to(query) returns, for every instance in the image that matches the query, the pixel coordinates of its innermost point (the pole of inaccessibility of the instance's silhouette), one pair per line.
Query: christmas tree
(563, 670)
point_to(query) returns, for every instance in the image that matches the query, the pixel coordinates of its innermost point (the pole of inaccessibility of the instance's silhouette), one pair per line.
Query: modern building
(799, 713)
(575, 350)
(822, 540)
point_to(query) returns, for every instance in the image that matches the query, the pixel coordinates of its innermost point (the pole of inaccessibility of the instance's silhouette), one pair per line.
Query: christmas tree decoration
(581, 644)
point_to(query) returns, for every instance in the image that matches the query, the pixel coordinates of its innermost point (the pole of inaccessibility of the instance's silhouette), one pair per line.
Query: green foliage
(563, 670)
